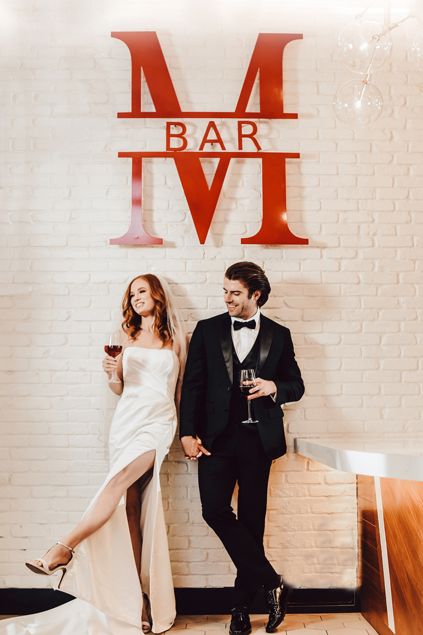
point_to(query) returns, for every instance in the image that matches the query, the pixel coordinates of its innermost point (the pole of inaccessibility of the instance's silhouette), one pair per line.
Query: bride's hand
(193, 448)
(109, 365)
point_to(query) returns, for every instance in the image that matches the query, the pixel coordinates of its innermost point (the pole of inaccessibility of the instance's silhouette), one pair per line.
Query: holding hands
(193, 448)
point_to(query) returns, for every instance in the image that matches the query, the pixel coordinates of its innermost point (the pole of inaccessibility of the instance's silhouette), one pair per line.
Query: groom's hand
(193, 448)
(261, 388)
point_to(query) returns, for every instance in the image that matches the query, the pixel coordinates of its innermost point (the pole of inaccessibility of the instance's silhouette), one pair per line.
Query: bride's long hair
(132, 321)
(169, 321)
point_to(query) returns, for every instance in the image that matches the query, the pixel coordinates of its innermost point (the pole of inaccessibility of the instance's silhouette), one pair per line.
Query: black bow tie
(240, 325)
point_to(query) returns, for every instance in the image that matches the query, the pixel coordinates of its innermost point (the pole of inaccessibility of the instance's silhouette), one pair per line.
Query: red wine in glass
(113, 347)
(113, 351)
(247, 375)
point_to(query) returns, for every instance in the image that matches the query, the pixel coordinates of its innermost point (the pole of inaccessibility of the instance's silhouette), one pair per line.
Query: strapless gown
(104, 576)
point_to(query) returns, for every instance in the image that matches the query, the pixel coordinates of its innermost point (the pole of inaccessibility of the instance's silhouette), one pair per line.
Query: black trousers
(238, 456)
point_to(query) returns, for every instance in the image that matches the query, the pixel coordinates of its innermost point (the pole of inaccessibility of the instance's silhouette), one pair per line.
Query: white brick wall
(351, 298)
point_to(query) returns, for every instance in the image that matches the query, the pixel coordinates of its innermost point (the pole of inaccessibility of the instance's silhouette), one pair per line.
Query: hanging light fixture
(362, 42)
(417, 50)
(365, 46)
(358, 103)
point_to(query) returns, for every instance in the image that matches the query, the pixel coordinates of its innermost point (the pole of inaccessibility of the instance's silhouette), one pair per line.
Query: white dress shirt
(244, 339)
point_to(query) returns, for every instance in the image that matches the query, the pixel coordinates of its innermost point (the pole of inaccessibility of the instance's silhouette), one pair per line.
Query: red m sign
(267, 58)
(146, 54)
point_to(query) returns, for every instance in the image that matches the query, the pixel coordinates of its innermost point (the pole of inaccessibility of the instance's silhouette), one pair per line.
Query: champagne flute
(247, 375)
(113, 347)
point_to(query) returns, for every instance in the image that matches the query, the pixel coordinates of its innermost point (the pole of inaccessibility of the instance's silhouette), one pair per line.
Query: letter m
(267, 58)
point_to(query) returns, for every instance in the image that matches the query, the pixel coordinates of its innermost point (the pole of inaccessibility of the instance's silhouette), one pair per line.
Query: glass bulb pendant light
(358, 103)
(417, 49)
(363, 42)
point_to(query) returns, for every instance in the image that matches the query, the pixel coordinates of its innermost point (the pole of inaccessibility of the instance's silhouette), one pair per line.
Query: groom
(213, 429)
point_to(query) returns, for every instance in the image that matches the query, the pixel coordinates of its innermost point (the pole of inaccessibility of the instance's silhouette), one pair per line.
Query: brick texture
(351, 297)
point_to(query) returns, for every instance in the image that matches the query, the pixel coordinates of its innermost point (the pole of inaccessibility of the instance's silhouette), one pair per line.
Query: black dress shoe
(276, 600)
(240, 622)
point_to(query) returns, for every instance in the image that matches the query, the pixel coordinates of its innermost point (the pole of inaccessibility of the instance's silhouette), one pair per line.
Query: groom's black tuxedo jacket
(208, 378)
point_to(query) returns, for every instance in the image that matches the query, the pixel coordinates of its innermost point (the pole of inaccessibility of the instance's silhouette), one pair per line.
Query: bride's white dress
(104, 575)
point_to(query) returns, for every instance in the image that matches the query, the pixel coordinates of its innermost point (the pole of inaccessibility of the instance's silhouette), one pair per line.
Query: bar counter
(369, 457)
(390, 524)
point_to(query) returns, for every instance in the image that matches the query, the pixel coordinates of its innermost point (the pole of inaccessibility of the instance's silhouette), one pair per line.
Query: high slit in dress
(104, 575)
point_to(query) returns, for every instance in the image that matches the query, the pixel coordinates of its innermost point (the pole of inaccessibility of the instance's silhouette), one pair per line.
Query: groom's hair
(253, 277)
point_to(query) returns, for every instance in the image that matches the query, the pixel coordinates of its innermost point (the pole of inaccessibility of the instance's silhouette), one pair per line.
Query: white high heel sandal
(146, 626)
(44, 569)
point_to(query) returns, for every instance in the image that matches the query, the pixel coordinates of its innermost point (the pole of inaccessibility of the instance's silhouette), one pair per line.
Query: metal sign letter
(267, 59)
(146, 53)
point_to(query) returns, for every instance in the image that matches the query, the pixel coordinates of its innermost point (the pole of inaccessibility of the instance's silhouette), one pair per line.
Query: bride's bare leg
(103, 509)
(133, 513)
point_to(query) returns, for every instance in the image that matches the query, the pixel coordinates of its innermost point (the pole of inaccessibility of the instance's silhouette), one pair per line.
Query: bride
(117, 558)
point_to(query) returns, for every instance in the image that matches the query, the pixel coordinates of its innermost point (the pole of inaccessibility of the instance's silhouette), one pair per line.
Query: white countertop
(397, 458)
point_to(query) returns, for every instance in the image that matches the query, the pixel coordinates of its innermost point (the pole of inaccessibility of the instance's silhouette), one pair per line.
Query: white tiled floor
(330, 624)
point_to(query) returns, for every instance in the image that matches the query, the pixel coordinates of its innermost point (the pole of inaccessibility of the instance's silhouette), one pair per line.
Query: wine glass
(113, 347)
(247, 375)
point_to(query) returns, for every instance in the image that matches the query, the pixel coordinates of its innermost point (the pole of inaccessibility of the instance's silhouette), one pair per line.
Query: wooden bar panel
(366, 487)
(367, 532)
(370, 555)
(402, 503)
(403, 514)
(372, 587)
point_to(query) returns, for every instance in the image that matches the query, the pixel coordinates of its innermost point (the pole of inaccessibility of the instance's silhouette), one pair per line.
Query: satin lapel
(226, 344)
(266, 337)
